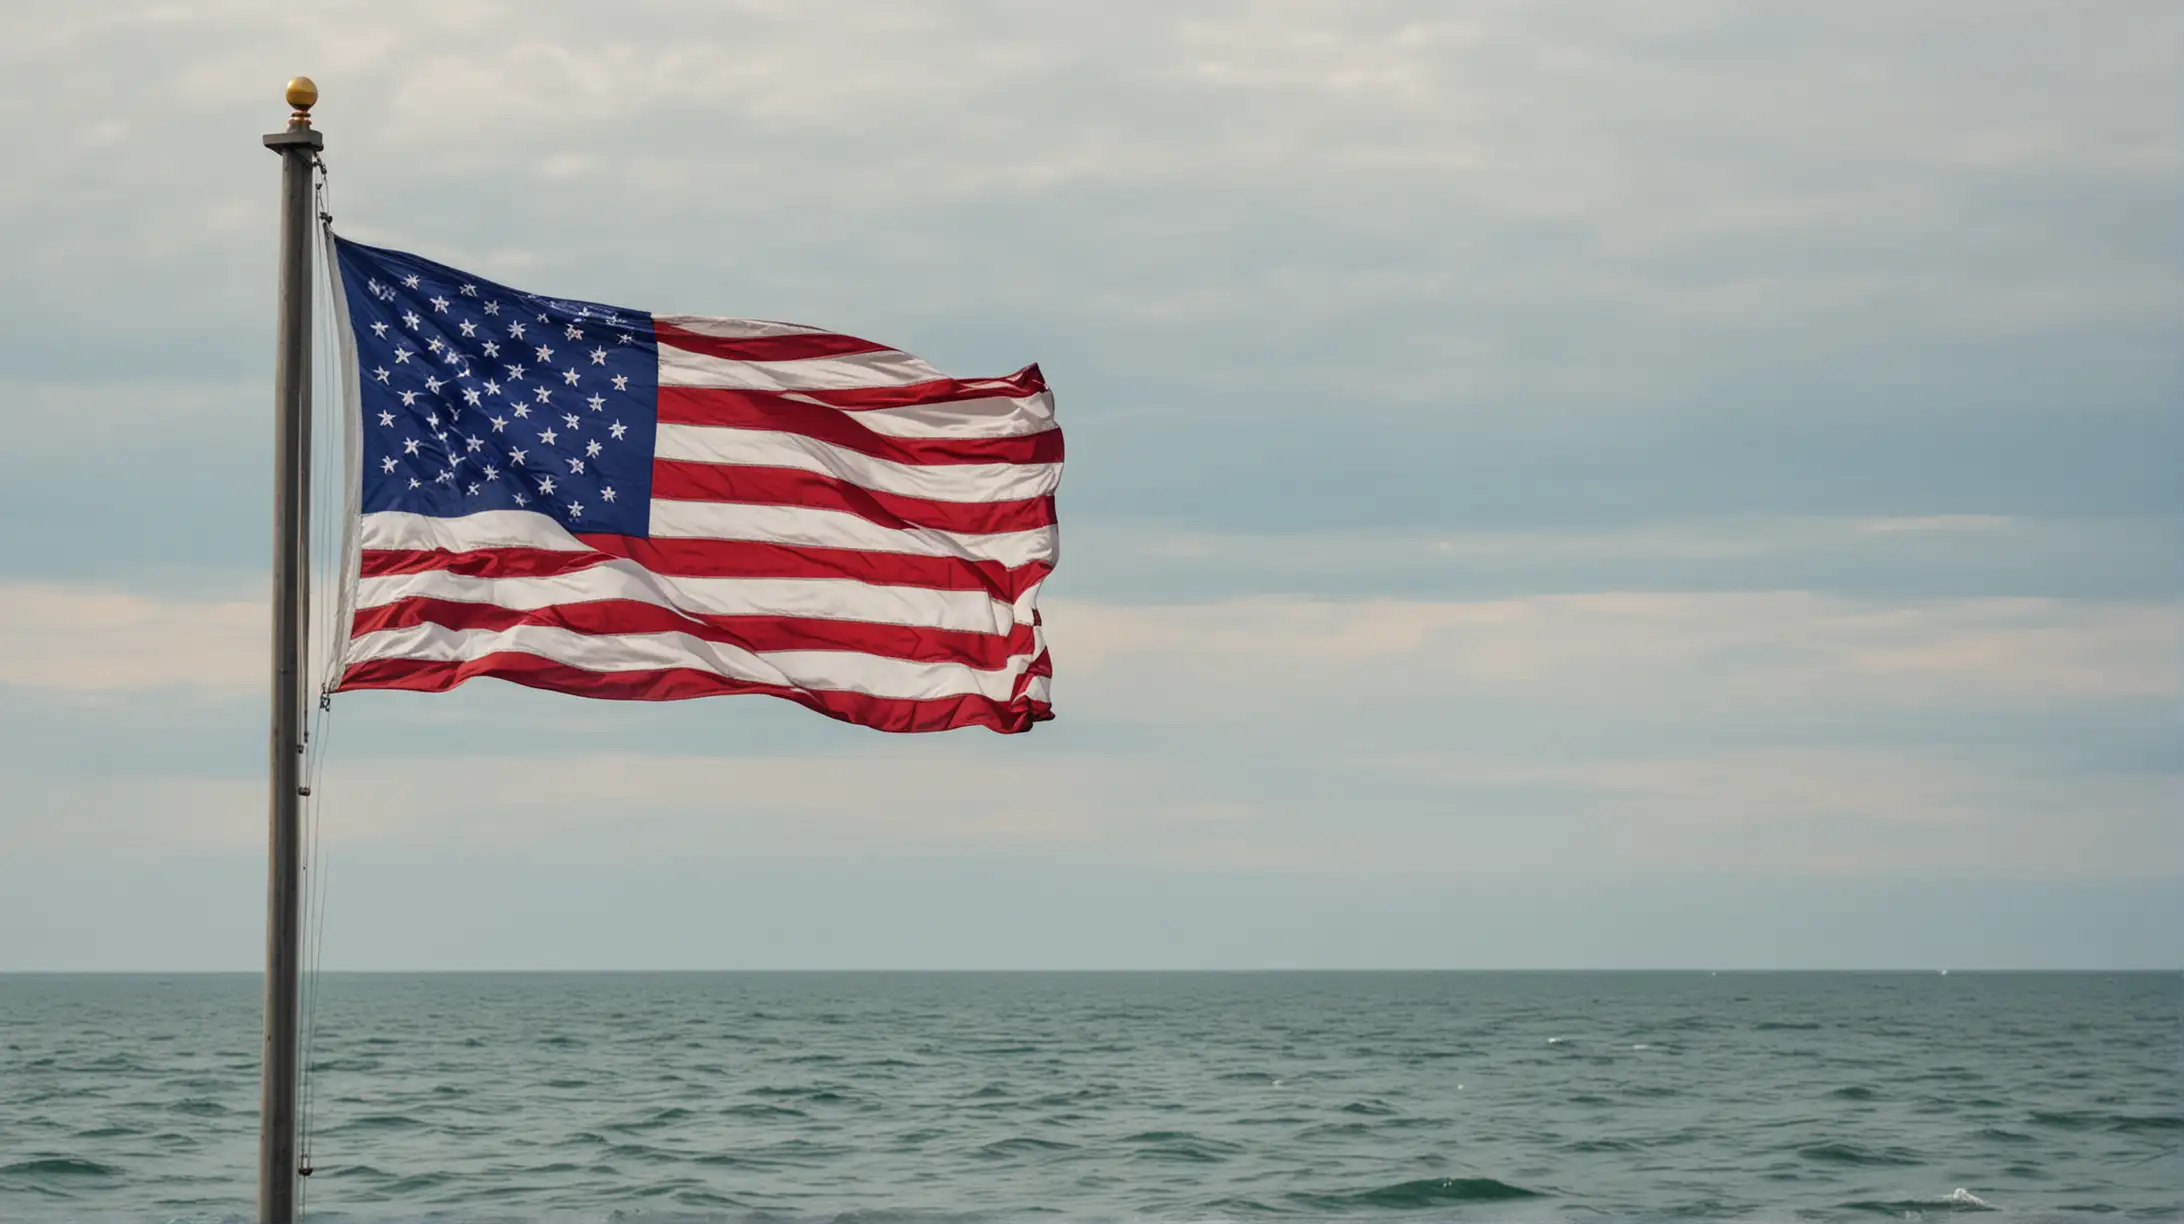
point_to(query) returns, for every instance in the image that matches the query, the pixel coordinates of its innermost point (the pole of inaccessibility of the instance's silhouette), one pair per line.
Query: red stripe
(678, 684)
(796, 347)
(1027, 381)
(687, 480)
(717, 559)
(787, 414)
(758, 634)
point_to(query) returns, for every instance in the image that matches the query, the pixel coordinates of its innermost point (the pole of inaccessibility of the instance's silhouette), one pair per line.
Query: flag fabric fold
(612, 503)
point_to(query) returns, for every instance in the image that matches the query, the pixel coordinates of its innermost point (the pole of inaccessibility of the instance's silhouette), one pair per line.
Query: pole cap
(303, 95)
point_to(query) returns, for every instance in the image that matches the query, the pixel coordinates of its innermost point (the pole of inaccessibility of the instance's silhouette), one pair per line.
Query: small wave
(1960, 1200)
(1855, 1092)
(1023, 1145)
(1370, 1109)
(759, 1109)
(2084, 1120)
(59, 1166)
(1434, 1192)
(1180, 1146)
(2147, 1122)
(1853, 1154)
(1785, 1026)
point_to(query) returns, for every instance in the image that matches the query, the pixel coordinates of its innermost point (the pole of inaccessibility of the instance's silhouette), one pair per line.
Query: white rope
(333, 564)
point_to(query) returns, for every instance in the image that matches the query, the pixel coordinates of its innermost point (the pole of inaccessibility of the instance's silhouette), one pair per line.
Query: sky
(1691, 484)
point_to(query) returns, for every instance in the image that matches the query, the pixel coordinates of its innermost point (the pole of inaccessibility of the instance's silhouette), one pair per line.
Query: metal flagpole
(297, 145)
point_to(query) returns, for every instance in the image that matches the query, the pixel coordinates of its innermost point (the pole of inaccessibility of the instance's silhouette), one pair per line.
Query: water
(1087, 1097)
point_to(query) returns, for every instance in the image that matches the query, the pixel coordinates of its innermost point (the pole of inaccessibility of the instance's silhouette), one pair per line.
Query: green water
(880, 1097)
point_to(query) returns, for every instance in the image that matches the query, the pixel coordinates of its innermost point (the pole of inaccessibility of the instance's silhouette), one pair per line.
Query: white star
(597, 402)
(434, 344)
(409, 399)
(523, 410)
(544, 319)
(569, 419)
(621, 382)
(473, 488)
(617, 430)
(599, 356)
(452, 460)
(576, 466)
(544, 353)
(439, 305)
(373, 285)
(413, 483)
(470, 291)
(575, 508)
(471, 396)
(592, 449)
(451, 356)
(516, 456)
(516, 330)
(447, 477)
(387, 464)
(409, 446)
(499, 424)
(491, 387)
(573, 333)
(433, 385)
(569, 377)
(546, 485)
(492, 308)
(543, 394)
(468, 328)
(607, 493)
(386, 418)
(514, 372)
(521, 500)
(411, 321)
(492, 349)
(410, 280)
(628, 339)
(546, 436)
(474, 442)
(491, 472)
(379, 330)
(380, 373)
(402, 354)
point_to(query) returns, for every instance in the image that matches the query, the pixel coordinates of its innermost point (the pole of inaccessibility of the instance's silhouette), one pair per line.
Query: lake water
(1082, 1097)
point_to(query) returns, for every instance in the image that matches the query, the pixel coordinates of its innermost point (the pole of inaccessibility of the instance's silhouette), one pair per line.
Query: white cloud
(1780, 731)
(87, 641)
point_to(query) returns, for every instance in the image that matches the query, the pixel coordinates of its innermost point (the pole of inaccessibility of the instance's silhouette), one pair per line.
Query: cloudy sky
(1681, 484)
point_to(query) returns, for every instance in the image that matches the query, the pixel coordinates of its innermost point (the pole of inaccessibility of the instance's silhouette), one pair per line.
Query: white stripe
(738, 329)
(810, 527)
(953, 482)
(795, 526)
(885, 368)
(845, 671)
(839, 599)
(398, 529)
(985, 417)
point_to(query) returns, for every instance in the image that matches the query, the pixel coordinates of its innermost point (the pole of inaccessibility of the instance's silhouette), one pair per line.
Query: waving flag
(617, 504)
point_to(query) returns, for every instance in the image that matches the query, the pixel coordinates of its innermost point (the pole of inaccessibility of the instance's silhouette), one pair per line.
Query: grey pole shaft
(277, 1131)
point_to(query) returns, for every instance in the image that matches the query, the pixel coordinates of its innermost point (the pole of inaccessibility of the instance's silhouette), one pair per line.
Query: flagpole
(297, 145)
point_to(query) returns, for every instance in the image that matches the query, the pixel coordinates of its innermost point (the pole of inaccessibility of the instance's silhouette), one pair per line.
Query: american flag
(612, 503)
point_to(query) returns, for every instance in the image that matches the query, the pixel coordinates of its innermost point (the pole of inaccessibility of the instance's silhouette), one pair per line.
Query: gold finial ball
(302, 93)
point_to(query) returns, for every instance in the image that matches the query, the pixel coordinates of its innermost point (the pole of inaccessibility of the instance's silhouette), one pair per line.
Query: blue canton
(481, 397)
